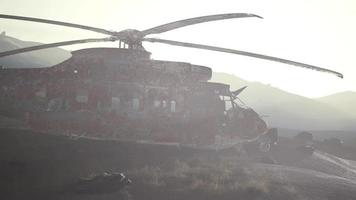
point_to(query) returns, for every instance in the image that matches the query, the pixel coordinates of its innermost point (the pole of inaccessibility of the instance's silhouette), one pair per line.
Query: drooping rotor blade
(46, 21)
(196, 20)
(244, 53)
(57, 44)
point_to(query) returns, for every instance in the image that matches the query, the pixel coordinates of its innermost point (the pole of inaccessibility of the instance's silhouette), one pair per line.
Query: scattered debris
(101, 184)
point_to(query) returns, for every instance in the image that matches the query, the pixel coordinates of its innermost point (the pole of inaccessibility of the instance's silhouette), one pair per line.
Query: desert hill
(345, 101)
(40, 58)
(287, 110)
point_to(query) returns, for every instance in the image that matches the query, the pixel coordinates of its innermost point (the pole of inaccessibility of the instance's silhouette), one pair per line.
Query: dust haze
(117, 123)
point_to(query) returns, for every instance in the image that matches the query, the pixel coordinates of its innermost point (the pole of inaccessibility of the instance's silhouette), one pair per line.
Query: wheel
(264, 147)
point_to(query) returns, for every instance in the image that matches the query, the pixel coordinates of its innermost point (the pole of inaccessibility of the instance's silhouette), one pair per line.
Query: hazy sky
(317, 32)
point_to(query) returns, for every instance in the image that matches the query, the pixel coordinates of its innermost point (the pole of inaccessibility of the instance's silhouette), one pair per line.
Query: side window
(82, 96)
(135, 104)
(157, 103)
(115, 103)
(41, 92)
(164, 104)
(173, 106)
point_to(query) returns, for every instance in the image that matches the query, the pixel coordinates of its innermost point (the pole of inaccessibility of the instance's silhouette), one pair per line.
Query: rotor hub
(130, 36)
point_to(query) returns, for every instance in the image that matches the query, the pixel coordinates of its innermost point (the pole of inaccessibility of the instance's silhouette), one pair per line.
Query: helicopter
(123, 93)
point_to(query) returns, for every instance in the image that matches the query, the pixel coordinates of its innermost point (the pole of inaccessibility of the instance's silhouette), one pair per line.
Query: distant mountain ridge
(292, 111)
(40, 58)
(345, 101)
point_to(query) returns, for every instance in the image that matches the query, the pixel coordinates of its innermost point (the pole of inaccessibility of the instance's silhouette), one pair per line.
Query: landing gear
(263, 144)
(268, 140)
(264, 147)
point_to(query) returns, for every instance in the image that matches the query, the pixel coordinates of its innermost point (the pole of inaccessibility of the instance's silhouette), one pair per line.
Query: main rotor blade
(195, 20)
(57, 44)
(46, 21)
(244, 53)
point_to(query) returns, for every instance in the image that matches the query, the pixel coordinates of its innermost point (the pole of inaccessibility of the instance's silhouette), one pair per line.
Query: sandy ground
(37, 166)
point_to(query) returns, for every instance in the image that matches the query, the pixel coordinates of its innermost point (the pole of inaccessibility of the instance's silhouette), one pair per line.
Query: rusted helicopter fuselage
(123, 93)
